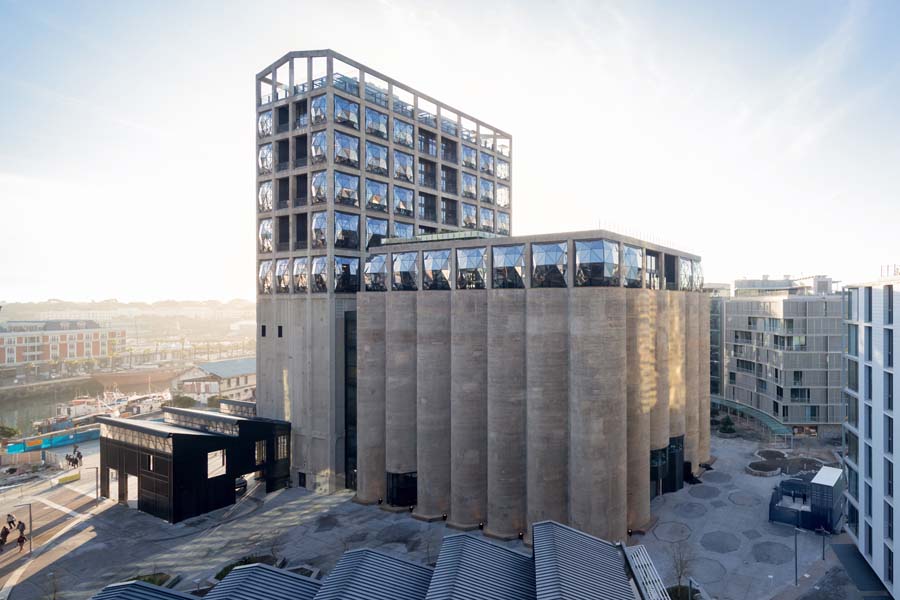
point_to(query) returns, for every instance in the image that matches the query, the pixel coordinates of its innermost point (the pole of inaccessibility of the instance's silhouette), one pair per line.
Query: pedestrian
(21, 541)
(80, 457)
(4, 535)
(21, 527)
(10, 520)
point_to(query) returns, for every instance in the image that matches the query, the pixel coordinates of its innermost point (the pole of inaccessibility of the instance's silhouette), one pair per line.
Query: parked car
(240, 485)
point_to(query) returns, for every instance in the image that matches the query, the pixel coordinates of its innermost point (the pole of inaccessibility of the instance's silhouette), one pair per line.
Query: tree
(182, 402)
(727, 425)
(7, 432)
(213, 401)
(682, 556)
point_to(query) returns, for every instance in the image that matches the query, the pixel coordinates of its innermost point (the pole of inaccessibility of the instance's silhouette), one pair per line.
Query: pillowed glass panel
(376, 195)
(264, 158)
(319, 230)
(282, 276)
(404, 271)
(319, 275)
(346, 275)
(346, 231)
(301, 274)
(318, 148)
(318, 186)
(346, 113)
(403, 166)
(318, 110)
(686, 274)
(403, 133)
(469, 157)
(470, 268)
(376, 159)
(502, 195)
(502, 170)
(469, 216)
(509, 267)
(376, 230)
(346, 149)
(346, 189)
(697, 275)
(264, 196)
(503, 223)
(487, 220)
(596, 263)
(264, 124)
(487, 191)
(631, 265)
(403, 230)
(486, 163)
(265, 235)
(264, 277)
(469, 186)
(436, 270)
(376, 124)
(403, 202)
(549, 265)
(376, 275)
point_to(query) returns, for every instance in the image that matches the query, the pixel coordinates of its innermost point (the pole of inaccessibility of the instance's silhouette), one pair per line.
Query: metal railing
(301, 88)
(300, 244)
(300, 162)
(282, 127)
(302, 121)
(283, 246)
(300, 200)
(282, 166)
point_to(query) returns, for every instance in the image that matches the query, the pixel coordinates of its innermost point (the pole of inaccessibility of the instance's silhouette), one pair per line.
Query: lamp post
(30, 547)
(96, 482)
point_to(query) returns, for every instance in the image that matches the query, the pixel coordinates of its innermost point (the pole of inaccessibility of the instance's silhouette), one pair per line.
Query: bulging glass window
(509, 266)
(264, 196)
(319, 275)
(549, 265)
(503, 223)
(469, 186)
(264, 124)
(487, 191)
(436, 270)
(282, 276)
(264, 158)
(346, 275)
(502, 170)
(265, 235)
(376, 274)
(632, 269)
(470, 268)
(346, 149)
(469, 157)
(596, 263)
(264, 277)
(403, 230)
(403, 166)
(319, 230)
(346, 113)
(346, 230)
(318, 186)
(318, 110)
(318, 148)
(487, 220)
(486, 163)
(403, 202)
(404, 271)
(376, 195)
(469, 216)
(376, 159)
(376, 124)
(301, 274)
(502, 195)
(697, 273)
(376, 230)
(686, 274)
(346, 189)
(403, 133)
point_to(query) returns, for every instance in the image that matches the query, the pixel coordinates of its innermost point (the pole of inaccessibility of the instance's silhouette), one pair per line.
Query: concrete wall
(659, 413)
(692, 380)
(370, 400)
(400, 383)
(640, 343)
(703, 403)
(676, 339)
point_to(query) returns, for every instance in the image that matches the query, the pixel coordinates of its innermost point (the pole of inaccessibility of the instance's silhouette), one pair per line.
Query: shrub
(727, 425)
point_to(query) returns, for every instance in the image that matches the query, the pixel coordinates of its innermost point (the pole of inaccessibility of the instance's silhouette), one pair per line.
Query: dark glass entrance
(350, 398)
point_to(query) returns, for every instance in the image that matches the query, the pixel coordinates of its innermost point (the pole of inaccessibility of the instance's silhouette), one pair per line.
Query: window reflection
(404, 271)
(486, 163)
(403, 133)
(503, 196)
(318, 148)
(502, 170)
(469, 157)
(632, 269)
(346, 275)
(376, 195)
(376, 124)
(264, 123)
(346, 113)
(319, 275)
(503, 223)
(470, 268)
(301, 274)
(469, 216)
(346, 149)
(376, 274)
(403, 166)
(282, 276)
(697, 272)
(487, 219)
(686, 275)
(346, 230)
(596, 263)
(265, 277)
(436, 270)
(403, 230)
(264, 158)
(487, 191)
(469, 186)
(376, 230)
(549, 265)
(376, 159)
(403, 201)
(318, 186)
(319, 229)
(265, 235)
(264, 196)
(509, 266)
(318, 110)
(346, 189)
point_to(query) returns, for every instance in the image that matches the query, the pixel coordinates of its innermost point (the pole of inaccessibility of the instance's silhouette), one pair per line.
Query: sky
(764, 136)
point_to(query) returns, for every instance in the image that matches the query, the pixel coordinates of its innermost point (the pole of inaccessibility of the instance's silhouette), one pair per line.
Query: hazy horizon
(763, 137)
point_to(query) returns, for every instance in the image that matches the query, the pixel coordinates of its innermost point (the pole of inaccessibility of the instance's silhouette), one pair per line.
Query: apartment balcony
(448, 126)
(302, 121)
(301, 88)
(448, 188)
(283, 203)
(320, 83)
(347, 84)
(428, 119)
(300, 244)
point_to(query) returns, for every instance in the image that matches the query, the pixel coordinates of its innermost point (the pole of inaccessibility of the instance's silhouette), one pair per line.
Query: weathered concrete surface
(433, 403)
(597, 410)
(703, 403)
(659, 413)
(370, 400)
(400, 383)
(640, 343)
(692, 380)
(677, 385)
(468, 409)
(506, 482)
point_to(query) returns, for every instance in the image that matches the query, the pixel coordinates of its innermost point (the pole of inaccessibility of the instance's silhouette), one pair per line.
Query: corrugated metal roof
(138, 590)
(262, 582)
(645, 574)
(371, 575)
(572, 565)
(472, 567)
(230, 368)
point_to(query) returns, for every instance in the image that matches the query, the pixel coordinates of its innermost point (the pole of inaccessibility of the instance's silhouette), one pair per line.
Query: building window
(281, 447)
(318, 148)
(319, 275)
(867, 299)
(470, 266)
(427, 142)
(280, 334)
(376, 230)
(503, 223)
(502, 195)
(265, 281)
(502, 170)
(376, 124)
(319, 187)
(265, 159)
(889, 391)
(686, 274)
(405, 271)
(469, 216)
(301, 274)
(403, 201)
(596, 263)
(868, 461)
(868, 382)
(403, 230)
(376, 275)
(318, 110)
(376, 195)
(889, 348)
(486, 163)
(868, 342)
(376, 159)
(868, 500)
(319, 230)
(853, 375)
(403, 166)
(346, 230)
(889, 558)
(487, 220)
(509, 267)
(549, 265)
(888, 478)
(469, 157)
(888, 521)
(403, 133)
(888, 305)
(265, 235)
(346, 113)
(487, 191)
(264, 196)
(888, 434)
(448, 212)
(262, 331)
(346, 150)
(282, 276)
(259, 453)
(264, 124)
(436, 270)
(632, 266)
(346, 275)
(427, 207)
(868, 540)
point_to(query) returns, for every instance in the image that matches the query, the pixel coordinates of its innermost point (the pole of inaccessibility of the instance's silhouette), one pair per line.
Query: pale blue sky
(764, 136)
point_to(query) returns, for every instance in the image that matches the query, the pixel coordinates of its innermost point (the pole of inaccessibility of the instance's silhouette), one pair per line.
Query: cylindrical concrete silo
(400, 387)
(506, 506)
(659, 414)
(676, 365)
(703, 404)
(598, 446)
(370, 484)
(692, 379)
(641, 381)
(433, 404)
(468, 409)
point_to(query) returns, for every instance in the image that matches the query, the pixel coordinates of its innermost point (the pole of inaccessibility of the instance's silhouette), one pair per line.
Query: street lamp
(28, 504)
(96, 482)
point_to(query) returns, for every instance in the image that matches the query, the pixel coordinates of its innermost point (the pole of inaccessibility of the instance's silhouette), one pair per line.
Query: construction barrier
(69, 478)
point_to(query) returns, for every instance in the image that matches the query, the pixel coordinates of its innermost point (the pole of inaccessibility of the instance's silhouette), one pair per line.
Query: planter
(763, 469)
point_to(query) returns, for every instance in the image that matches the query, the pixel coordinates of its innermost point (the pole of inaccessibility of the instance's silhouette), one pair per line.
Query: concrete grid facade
(871, 387)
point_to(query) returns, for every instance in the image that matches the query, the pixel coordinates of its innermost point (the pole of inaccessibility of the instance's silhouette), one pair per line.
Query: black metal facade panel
(154, 487)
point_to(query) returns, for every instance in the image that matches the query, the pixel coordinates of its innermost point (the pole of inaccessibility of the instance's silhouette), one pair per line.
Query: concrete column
(676, 364)
(692, 379)
(641, 381)
(370, 468)
(659, 414)
(597, 412)
(547, 404)
(468, 409)
(122, 480)
(506, 414)
(433, 404)
(703, 403)
(400, 383)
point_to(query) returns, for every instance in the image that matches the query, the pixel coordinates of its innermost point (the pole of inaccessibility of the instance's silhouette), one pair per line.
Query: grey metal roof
(646, 577)
(371, 575)
(472, 567)
(572, 565)
(138, 590)
(232, 367)
(262, 582)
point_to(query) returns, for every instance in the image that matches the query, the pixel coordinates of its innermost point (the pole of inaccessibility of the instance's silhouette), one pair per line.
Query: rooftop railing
(301, 88)
(347, 84)
(448, 126)
(427, 118)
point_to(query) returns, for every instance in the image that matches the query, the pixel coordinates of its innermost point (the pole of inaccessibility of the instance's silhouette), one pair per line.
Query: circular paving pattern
(704, 491)
(672, 531)
(691, 510)
(744, 498)
(780, 530)
(716, 477)
(772, 553)
(720, 542)
(707, 570)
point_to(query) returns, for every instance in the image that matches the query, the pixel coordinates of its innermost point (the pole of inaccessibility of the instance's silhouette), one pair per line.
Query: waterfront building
(40, 342)
(234, 379)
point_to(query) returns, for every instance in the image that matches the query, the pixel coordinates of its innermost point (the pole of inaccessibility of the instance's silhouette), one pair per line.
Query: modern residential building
(871, 384)
(234, 379)
(37, 342)
(790, 286)
(782, 354)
